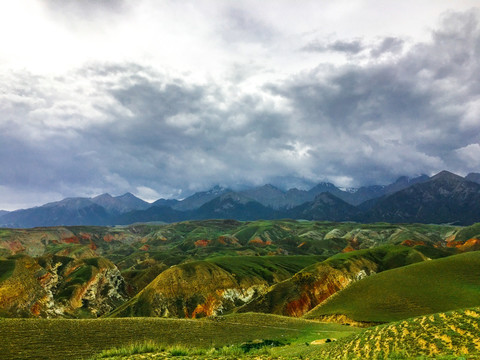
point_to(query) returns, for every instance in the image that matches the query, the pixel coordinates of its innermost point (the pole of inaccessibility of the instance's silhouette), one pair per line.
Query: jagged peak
(126, 195)
(326, 195)
(103, 196)
(473, 177)
(217, 189)
(447, 175)
(402, 179)
(324, 184)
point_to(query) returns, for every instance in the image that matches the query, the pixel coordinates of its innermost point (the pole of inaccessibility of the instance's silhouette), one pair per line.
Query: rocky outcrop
(55, 286)
(193, 290)
(310, 287)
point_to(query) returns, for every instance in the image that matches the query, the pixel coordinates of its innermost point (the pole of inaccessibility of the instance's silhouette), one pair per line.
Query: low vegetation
(76, 339)
(452, 335)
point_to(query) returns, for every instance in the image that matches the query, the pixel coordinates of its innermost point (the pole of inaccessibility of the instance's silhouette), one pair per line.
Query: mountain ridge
(457, 198)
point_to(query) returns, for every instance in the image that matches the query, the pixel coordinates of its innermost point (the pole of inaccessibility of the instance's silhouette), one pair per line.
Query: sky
(166, 98)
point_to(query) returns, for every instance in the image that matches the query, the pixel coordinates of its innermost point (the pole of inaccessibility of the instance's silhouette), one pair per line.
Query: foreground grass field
(79, 339)
(451, 335)
(447, 336)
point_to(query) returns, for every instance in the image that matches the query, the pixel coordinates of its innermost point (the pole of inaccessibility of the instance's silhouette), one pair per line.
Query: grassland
(423, 288)
(6, 269)
(77, 339)
(265, 267)
(451, 335)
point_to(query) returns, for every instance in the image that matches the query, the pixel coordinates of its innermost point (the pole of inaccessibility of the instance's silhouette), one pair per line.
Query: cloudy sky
(164, 98)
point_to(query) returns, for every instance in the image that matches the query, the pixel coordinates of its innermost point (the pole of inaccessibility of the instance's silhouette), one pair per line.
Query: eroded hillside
(200, 268)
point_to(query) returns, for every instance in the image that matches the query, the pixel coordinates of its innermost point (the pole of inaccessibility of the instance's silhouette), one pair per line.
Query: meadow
(59, 339)
(418, 289)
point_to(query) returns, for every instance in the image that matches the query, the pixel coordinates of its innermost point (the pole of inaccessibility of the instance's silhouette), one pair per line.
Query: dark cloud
(121, 127)
(351, 47)
(406, 115)
(388, 45)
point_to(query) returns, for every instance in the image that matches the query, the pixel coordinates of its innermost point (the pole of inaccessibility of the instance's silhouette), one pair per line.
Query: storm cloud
(392, 107)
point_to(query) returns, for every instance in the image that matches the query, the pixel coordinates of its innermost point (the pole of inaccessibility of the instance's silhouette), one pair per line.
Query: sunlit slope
(424, 288)
(448, 334)
(316, 283)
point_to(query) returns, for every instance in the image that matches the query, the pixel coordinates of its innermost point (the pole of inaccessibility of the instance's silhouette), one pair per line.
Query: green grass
(266, 267)
(387, 257)
(306, 284)
(446, 336)
(6, 269)
(75, 339)
(451, 335)
(424, 288)
(468, 232)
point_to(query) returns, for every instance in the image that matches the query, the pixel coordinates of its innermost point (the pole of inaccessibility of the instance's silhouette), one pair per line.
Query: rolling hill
(424, 288)
(318, 282)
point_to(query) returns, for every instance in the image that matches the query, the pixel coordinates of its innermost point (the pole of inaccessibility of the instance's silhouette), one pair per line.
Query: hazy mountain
(153, 213)
(270, 196)
(445, 198)
(71, 211)
(324, 187)
(474, 177)
(325, 206)
(233, 206)
(267, 195)
(99, 210)
(120, 204)
(3, 212)
(199, 198)
(366, 193)
(165, 202)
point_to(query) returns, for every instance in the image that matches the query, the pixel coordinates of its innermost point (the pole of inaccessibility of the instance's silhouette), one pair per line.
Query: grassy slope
(266, 267)
(75, 339)
(279, 296)
(449, 334)
(6, 269)
(418, 289)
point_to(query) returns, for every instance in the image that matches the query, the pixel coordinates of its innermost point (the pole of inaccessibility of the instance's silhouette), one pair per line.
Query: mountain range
(443, 198)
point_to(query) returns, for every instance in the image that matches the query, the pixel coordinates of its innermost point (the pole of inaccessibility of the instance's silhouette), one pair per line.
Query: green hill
(453, 335)
(316, 283)
(424, 288)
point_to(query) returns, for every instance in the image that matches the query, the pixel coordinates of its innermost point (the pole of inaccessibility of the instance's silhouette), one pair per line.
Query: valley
(202, 274)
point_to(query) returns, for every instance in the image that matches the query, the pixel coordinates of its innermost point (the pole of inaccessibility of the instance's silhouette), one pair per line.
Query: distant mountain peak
(127, 195)
(402, 179)
(447, 175)
(473, 177)
(217, 189)
(103, 196)
(321, 186)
